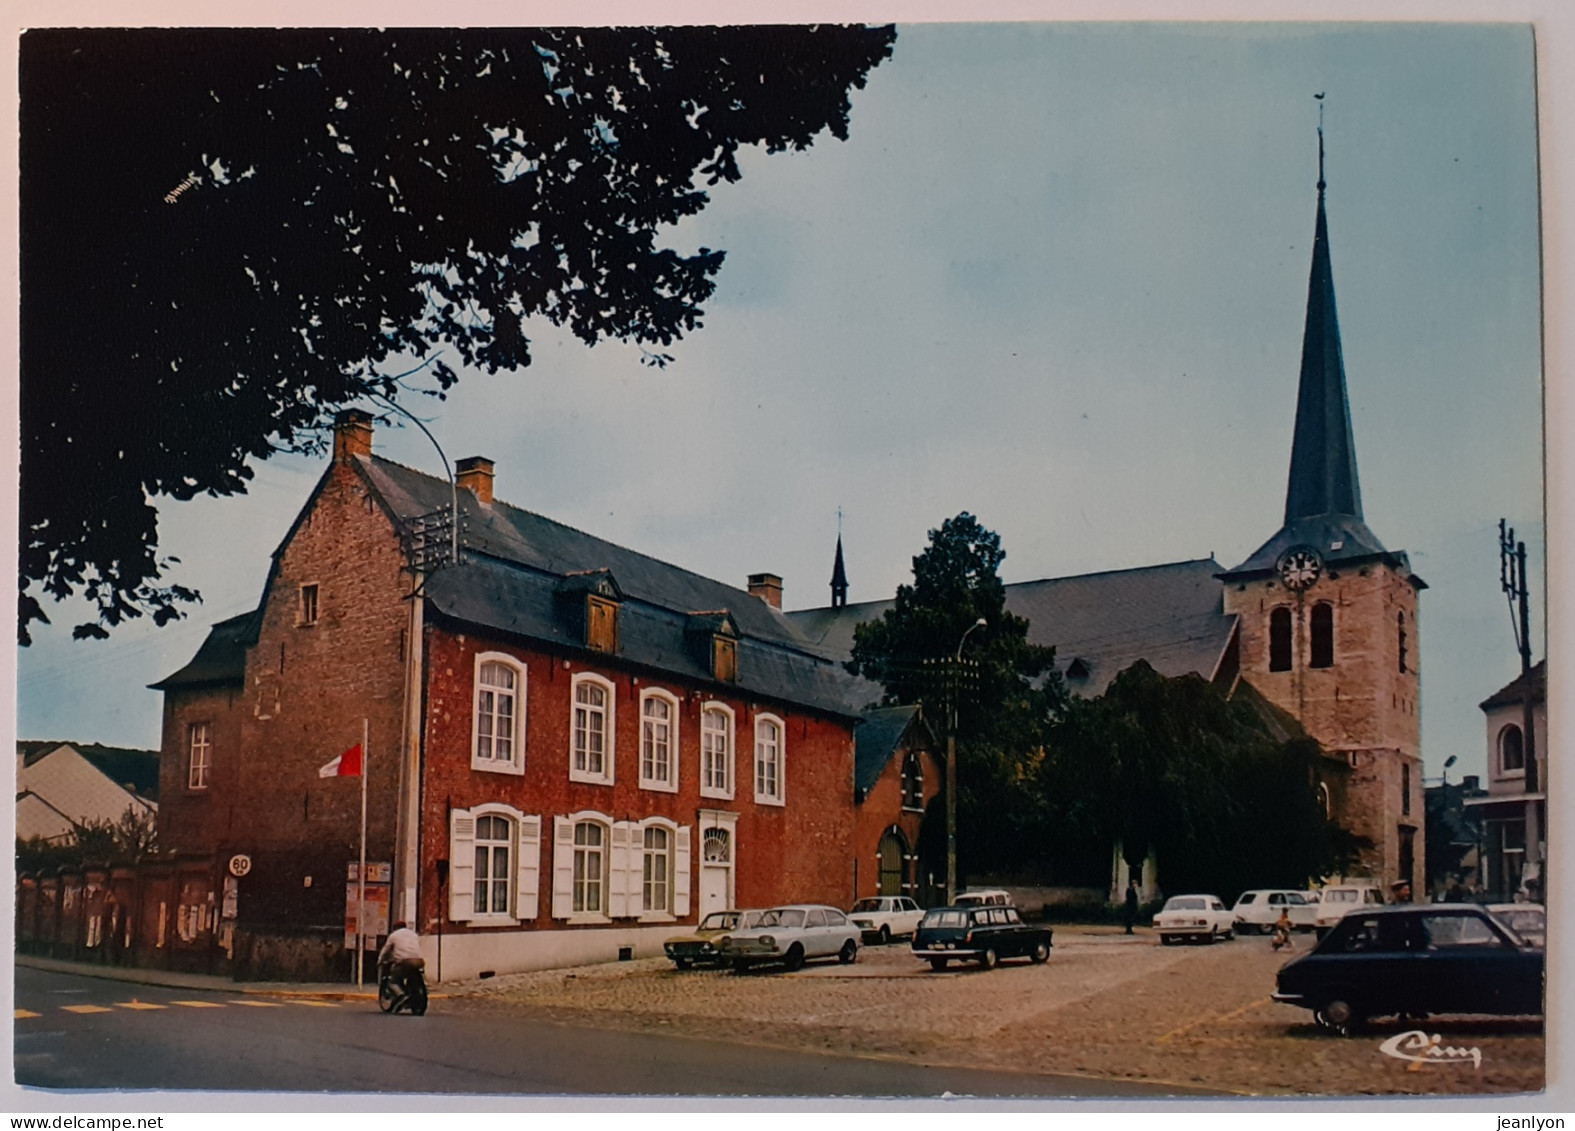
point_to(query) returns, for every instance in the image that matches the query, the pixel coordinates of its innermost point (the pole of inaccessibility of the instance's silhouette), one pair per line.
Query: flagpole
(360, 913)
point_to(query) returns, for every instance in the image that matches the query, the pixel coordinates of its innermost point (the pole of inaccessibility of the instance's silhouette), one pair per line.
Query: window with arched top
(769, 765)
(1322, 649)
(1280, 640)
(716, 846)
(912, 781)
(1324, 801)
(591, 736)
(497, 732)
(1511, 750)
(716, 751)
(658, 741)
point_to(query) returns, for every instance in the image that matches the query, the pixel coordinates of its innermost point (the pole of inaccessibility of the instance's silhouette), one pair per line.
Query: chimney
(475, 475)
(352, 434)
(768, 587)
(1471, 782)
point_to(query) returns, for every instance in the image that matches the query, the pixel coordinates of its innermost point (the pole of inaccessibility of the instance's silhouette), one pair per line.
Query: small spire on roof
(839, 573)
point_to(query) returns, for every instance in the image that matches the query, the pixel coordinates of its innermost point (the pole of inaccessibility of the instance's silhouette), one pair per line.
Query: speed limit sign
(240, 864)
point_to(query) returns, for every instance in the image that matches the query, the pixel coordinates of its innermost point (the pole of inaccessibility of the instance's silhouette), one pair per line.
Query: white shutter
(461, 865)
(618, 872)
(562, 867)
(529, 873)
(681, 873)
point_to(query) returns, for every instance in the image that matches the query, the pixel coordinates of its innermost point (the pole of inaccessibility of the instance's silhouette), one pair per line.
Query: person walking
(1131, 912)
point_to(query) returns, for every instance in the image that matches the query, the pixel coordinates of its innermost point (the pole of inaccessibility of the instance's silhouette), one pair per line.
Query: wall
(797, 852)
(199, 820)
(882, 808)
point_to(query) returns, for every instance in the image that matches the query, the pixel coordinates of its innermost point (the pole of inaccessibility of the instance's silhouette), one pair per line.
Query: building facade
(1511, 866)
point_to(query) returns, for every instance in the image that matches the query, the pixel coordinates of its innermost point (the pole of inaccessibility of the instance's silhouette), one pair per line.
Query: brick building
(571, 747)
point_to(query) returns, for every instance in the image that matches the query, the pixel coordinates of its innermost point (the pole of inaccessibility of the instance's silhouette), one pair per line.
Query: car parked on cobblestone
(1413, 960)
(984, 897)
(1528, 920)
(1203, 917)
(791, 935)
(698, 947)
(1337, 899)
(979, 934)
(1256, 912)
(881, 918)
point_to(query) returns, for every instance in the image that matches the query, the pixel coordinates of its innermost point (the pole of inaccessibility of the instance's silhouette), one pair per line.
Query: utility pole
(1512, 579)
(951, 766)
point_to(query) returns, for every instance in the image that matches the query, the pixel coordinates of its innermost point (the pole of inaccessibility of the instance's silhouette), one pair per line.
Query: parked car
(1194, 917)
(984, 897)
(792, 935)
(880, 918)
(698, 947)
(1337, 899)
(1256, 912)
(1528, 920)
(1414, 960)
(984, 934)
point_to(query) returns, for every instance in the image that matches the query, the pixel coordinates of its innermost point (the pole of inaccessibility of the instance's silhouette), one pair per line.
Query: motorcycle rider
(401, 957)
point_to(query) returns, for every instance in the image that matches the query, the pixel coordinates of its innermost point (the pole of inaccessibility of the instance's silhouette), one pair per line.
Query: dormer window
(714, 639)
(590, 602)
(1077, 669)
(601, 624)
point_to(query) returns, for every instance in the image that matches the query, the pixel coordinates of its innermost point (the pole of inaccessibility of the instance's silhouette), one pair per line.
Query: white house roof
(61, 781)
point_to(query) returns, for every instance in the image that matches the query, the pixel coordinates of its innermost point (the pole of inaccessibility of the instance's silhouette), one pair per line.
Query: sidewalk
(174, 979)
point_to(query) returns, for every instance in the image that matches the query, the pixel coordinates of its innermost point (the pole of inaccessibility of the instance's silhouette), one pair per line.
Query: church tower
(1327, 617)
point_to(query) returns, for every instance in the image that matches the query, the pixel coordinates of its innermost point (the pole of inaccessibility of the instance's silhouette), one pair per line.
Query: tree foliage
(226, 235)
(1005, 702)
(1174, 766)
(98, 841)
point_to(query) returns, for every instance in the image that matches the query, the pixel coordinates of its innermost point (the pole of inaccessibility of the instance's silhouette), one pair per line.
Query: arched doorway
(893, 851)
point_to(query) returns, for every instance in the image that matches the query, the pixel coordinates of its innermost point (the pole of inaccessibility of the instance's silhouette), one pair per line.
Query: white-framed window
(591, 731)
(590, 867)
(498, 720)
(494, 856)
(658, 741)
(199, 756)
(769, 760)
(1511, 750)
(308, 608)
(656, 870)
(716, 750)
(494, 845)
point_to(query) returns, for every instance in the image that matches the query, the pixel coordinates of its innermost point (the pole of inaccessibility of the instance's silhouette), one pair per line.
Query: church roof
(879, 735)
(1171, 615)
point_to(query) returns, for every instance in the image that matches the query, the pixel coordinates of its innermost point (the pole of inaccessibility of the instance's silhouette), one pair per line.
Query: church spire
(1323, 454)
(839, 579)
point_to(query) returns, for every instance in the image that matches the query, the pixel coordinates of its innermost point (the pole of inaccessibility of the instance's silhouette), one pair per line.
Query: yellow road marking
(86, 1009)
(1231, 1016)
(319, 1004)
(198, 1004)
(24, 1014)
(135, 1004)
(258, 1004)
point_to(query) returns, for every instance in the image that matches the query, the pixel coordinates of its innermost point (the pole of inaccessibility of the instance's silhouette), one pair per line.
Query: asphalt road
(88, 1033)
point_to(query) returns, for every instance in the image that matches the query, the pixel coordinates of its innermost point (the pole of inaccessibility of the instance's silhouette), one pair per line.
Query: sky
(1056, 277)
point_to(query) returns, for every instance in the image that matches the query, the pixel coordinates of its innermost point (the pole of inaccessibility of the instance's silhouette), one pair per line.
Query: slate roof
(879, 735)
(1515, 690)
(1170, 615)
(222, 657)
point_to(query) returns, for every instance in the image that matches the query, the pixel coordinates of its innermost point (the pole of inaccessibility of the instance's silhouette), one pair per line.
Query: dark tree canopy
(1175, 766)
(226, 234)
(1005, 706)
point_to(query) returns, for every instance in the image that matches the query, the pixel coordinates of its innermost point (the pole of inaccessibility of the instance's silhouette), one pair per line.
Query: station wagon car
(981, 934)
(1336, 900)
(1413, 961)
(1194, 917)
(882, 917)
(699, 946)
(1258, 911)
(791, 935)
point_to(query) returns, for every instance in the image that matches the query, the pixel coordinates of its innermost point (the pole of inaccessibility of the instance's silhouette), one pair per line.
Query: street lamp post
(951, 768)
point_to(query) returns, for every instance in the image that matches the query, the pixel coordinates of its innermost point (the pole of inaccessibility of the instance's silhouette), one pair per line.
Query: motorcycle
(395, 998)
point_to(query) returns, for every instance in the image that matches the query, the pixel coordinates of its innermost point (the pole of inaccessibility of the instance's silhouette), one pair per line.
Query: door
(716, 871)
(891, 853)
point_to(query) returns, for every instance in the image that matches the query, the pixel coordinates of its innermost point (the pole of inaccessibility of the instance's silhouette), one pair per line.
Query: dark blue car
(1414, 960)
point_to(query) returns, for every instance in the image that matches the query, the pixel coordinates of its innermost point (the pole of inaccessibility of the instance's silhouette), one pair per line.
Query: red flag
(347, 765)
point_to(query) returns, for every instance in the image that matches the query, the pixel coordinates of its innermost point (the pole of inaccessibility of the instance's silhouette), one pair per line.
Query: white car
(1194, 917)
(882, 918)
(1256, 912)
(984, 897)
(792, 935)
(1528, 920)
(1336, 899)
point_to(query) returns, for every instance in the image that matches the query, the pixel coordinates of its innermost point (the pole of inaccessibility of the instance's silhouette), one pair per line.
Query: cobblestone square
(1105, 1005)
